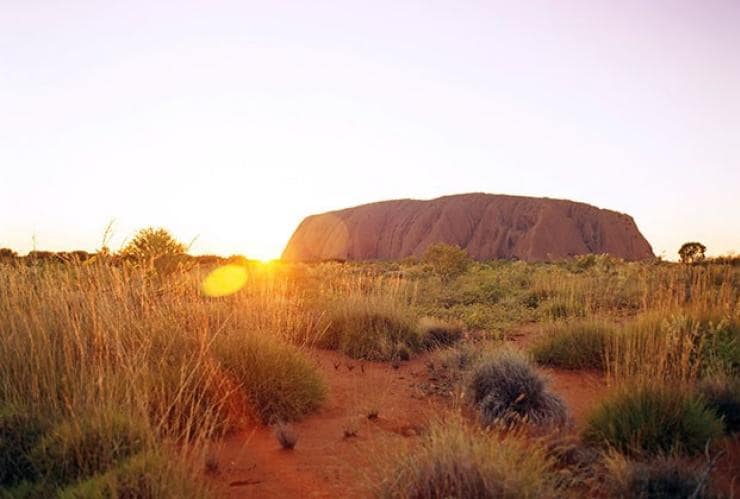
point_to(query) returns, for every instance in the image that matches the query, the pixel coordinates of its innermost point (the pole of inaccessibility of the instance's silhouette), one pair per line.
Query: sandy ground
(327, 463)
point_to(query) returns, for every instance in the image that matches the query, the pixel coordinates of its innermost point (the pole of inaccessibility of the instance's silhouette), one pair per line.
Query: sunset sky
(231, 121)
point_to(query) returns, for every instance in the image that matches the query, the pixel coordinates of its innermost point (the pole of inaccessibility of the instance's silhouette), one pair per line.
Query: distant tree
(7, 253)
(447, 261)
(692, 252)
(151, 243)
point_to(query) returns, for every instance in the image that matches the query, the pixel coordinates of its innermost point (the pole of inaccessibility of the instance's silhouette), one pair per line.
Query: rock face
(486, 225)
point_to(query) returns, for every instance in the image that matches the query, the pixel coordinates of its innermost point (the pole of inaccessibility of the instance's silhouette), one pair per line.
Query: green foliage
(20, 430)
(365, 327)
(447, 261)
(722, 395)
(453, 460)
(147, 475)
(151, 243)
(662, 477)
(279, 381)
(436, 333)
(652, 418)
(692, 252)
(506, 388)
(87, 444)
(579, 345)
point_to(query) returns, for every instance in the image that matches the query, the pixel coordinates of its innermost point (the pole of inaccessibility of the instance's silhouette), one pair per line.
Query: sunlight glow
(224, 281)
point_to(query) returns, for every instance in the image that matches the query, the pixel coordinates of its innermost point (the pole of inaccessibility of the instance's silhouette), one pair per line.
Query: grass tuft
(579, 345)
(508, 389)
(651, 419)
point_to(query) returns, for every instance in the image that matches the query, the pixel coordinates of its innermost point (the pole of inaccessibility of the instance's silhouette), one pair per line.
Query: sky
(228, 122)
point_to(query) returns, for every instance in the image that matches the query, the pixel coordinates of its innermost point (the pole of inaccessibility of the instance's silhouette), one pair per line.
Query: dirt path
(325, 463)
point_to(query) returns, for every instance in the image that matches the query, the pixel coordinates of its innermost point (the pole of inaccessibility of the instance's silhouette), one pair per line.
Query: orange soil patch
(325, 463)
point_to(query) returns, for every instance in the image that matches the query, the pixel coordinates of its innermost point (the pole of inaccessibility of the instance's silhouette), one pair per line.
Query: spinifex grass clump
(653, 418)
(368, 327)
(722, 395)
(147, 474)
(578, 345)
(661, 477)
(506, 388)
(20, 430)
(278, 380)
(436, 333)
(86, 445)
(453, 460)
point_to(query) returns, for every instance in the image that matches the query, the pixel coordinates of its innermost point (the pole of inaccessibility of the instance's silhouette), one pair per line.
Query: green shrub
(722, 395)
(367, 328)
(435, 333)
(20, 429)
(146, 475)
(506, 388)
(560, 308)
(579, 345)
(663, 477)
(453, 460)
(90, 444)
(280, 382)
(651, 419)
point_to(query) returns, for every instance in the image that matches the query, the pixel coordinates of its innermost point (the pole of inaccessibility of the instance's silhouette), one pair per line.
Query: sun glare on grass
(225, 280)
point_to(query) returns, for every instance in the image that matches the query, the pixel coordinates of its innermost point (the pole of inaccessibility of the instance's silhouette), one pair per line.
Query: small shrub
(436, 333)
(286, 436)
(506, 388)
(20, 429)
(560, 308)
(367, 328)
(652, 419)
(453, 460)
(91, 444)
(148, 474)
(447, 261)
(279, 381)
(722, 395)
(574, 346)
(663, 477)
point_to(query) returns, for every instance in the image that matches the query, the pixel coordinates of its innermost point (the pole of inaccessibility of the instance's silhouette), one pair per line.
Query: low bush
(651, 419)
(277, 378)
(578, 345)
(662, 477)
(436, 333)
(86, 445)
(506, 388)
(367, 328)
(722, 395)
(453, 460)
(147, 474)
(20, 430)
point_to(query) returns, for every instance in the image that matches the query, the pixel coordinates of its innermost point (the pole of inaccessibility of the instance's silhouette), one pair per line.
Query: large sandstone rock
(486, 225)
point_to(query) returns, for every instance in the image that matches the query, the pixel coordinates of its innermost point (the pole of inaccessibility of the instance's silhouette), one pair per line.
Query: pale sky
(231, 121)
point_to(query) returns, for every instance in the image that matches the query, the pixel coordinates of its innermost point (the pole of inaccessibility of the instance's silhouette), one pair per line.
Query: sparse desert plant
(722, 395)
(661, 477)
(286, 435)
(506, 388)
(652, 418)
(454, 460)
(436, 333)
(579, 345)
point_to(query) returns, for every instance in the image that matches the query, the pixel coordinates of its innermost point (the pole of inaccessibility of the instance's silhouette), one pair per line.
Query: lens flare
(224, 281)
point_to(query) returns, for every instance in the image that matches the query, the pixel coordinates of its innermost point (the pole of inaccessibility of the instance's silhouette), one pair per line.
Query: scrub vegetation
(117, 372)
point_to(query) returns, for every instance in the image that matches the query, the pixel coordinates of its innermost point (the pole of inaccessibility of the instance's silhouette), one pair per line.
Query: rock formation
(486, 225)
